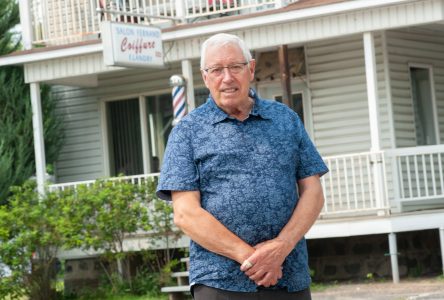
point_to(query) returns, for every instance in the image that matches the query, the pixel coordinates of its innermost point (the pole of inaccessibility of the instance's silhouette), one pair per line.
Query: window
(296, 103)
(423, 106)
(201, 96)
(130, 153)
(159, 118)
(125, 144)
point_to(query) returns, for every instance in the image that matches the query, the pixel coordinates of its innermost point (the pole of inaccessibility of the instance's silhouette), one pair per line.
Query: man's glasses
(233, 68)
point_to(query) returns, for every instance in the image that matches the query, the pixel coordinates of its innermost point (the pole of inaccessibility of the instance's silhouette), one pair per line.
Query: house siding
(339, 95)
(420, 46)
(81, 157)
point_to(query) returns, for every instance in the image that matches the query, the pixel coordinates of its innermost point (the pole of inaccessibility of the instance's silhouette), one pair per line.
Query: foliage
(99, 216)
(108, 212)
(29, 240)
(16, 133)
(9, 18)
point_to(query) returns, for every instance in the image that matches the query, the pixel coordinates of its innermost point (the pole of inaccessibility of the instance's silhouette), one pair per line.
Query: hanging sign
(131, 45)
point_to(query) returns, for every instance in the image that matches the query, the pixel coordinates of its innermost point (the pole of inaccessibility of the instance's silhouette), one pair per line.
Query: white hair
(222, 39)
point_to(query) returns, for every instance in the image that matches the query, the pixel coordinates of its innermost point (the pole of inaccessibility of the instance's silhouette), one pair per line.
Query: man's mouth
(229, 90)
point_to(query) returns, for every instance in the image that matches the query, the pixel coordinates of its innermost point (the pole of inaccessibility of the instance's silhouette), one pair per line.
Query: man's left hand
(267, 262)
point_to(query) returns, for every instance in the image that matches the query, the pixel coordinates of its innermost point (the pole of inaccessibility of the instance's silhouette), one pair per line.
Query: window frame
(429, 68)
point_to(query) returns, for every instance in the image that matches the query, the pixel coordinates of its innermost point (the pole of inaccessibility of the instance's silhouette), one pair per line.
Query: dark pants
(202, 292)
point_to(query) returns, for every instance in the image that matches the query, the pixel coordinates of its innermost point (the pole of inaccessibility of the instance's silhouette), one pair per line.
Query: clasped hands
(264, 266)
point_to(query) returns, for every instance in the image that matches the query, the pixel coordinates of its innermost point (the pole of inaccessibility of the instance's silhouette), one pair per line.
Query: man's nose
(227, 74)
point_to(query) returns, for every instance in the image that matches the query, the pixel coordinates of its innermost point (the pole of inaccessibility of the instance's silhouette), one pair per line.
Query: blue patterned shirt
(247, 175)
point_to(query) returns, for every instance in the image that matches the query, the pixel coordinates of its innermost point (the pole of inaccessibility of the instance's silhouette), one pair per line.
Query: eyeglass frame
(208, 70)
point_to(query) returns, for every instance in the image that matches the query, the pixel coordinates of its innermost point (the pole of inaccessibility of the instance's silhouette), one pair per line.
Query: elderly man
(244, 179)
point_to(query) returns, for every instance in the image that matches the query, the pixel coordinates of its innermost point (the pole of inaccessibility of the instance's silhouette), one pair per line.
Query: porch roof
(297, 23)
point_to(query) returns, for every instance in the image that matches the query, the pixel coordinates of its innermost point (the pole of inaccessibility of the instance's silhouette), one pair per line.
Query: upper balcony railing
(56, 22)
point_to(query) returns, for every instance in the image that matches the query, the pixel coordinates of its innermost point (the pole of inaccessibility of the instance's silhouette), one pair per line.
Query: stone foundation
(357, 257)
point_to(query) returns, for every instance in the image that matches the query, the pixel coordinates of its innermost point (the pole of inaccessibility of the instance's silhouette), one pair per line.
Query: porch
(366, 193)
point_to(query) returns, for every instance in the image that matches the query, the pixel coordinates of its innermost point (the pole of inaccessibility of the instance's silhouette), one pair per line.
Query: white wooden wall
(339, 96)
(82, 155)
(423, 46)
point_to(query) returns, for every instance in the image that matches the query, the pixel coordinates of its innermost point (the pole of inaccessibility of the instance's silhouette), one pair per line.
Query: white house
(367, 76)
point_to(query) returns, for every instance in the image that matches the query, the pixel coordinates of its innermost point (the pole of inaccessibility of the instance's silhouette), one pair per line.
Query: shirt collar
(217, 115)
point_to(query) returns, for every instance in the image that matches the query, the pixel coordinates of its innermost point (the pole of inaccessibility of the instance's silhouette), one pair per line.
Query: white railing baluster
(370, 181)
(138, 11)
(355, 192)
(79, 15)
(384, 180)
(347, 194)
(361, 177)
(147, 20)
(441, 177)
(432, 171)
(398, 161)
(69, 6)
(409, 177)
(424, 172)
(59, 26)
(338, 177)
(332, 192)
(418, 188)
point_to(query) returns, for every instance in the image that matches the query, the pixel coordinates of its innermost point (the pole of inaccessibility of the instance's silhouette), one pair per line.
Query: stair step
(175, 289)
(180, 274)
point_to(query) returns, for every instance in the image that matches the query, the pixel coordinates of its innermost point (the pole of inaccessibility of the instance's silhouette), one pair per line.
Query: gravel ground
(407, 289)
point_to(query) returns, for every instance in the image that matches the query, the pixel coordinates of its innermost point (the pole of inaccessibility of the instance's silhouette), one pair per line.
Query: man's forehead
(216, 52)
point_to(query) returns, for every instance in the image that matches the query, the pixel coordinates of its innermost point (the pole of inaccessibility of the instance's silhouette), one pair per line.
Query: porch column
(441, 239)
(393, 249)
(187, 72)
(373, 104)
(285, 74)
(39, 144)
(26, 23)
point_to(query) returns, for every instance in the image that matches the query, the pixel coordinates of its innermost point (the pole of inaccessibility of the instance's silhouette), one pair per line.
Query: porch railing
(418, 173)
(410, 174)
(67, 21)
(134, 179)
(349, 187)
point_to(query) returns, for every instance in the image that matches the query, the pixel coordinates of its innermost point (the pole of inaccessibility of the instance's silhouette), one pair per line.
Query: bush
(34, 228)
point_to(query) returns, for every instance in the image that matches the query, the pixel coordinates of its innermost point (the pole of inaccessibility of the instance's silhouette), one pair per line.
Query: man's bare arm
(205, 229)
(271, 254)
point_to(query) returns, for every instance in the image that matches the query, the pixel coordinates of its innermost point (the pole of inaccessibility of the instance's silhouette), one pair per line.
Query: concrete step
(175, 289)
(180, 274)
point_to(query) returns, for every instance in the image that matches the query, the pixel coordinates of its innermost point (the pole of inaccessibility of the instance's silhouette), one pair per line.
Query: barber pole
(179, 98)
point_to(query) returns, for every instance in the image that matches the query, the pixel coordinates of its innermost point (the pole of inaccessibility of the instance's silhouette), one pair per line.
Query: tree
(16, 134)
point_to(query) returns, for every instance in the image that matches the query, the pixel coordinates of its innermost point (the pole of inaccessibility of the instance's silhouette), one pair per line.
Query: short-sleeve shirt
(247, 173)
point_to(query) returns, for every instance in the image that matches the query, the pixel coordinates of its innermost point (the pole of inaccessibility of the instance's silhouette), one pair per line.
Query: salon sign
(131, 45)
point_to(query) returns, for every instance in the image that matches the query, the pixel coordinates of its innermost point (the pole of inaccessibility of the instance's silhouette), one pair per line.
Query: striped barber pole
(179, 103)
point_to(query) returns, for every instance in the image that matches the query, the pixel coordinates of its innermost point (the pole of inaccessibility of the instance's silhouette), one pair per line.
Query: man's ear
(204, 77)
(252, 68)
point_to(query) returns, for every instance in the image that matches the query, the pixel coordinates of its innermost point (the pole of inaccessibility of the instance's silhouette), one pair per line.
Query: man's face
(229, 88)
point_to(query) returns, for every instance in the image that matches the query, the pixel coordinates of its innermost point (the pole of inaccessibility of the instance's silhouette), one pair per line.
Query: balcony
(59, 22)
(370, 183)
